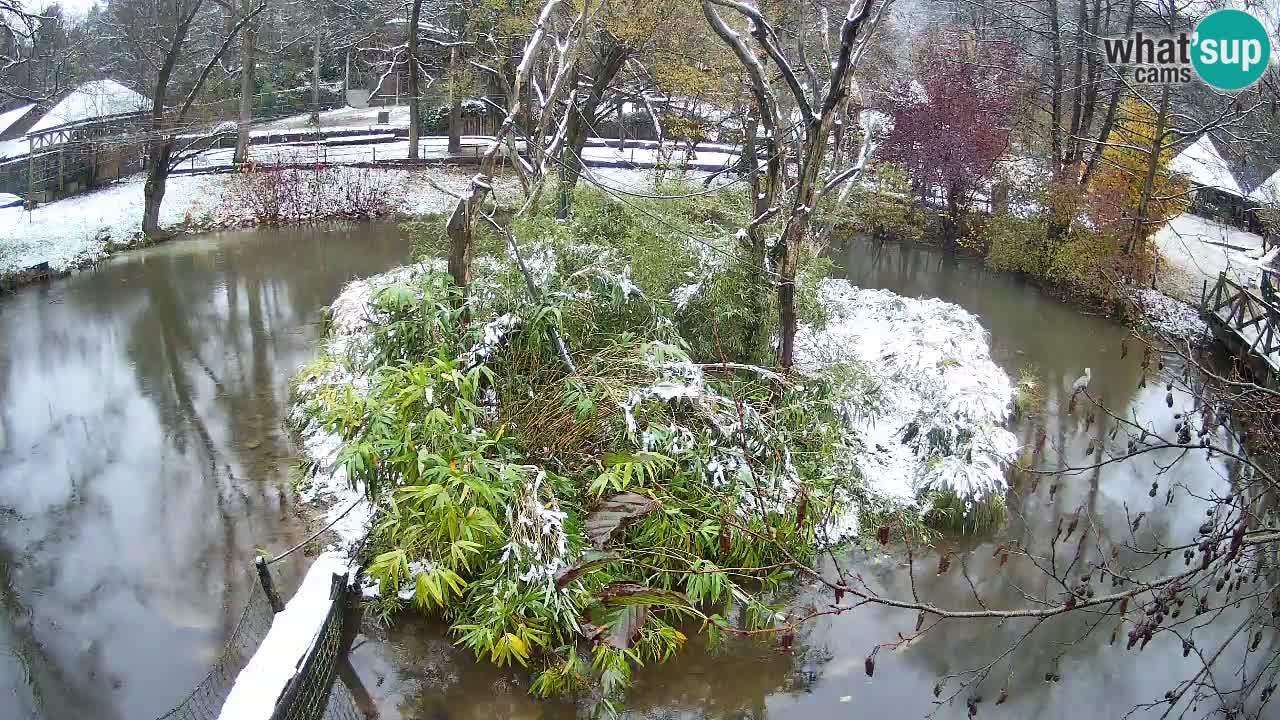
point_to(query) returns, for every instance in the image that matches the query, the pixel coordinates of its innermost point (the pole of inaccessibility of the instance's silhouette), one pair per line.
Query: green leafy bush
(1018, 245)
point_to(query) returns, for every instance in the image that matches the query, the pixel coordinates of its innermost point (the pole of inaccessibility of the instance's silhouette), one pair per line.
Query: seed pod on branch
(920, 621)
(869, 665)
(944, 564)
(1137, 521)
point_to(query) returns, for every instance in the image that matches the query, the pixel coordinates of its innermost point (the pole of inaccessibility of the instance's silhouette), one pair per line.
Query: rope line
(317, 533)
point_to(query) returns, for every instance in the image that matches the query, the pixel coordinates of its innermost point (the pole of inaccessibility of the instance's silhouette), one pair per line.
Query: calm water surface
(142, 459)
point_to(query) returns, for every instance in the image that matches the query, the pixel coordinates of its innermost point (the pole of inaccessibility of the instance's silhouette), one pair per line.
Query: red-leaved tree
(952, 123)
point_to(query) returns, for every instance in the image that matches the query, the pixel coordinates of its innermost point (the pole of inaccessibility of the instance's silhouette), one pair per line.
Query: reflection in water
(415, 673)
(143, 458)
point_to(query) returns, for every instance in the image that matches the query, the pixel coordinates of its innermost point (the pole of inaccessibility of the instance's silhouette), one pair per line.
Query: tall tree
(415, 95)
(952, 124)
(194, 42)
(248, 65)
(818, 105)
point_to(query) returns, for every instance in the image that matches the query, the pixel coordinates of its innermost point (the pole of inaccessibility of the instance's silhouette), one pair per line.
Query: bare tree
(540, 146)
(817, 107)
(248, 64)
(195, 41)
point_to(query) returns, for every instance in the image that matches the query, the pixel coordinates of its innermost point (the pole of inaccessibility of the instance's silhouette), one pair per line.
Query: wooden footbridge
(1248, 322)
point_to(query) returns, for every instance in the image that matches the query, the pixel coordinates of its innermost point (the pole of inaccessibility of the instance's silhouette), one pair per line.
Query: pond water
(143, 458)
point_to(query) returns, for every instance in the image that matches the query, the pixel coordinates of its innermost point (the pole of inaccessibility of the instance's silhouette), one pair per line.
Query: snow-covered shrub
(276, 194)
(943, 402)
(533, 506)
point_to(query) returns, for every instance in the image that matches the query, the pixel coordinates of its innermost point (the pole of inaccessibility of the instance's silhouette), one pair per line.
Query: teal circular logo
(1232, 49)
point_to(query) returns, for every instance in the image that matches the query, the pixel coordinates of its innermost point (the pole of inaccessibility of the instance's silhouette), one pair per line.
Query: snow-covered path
(1196, 250)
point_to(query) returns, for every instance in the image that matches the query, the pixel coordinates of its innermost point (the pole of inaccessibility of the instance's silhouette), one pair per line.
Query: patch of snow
(10, 117)
(1204, 166)
(492, 335)
(1195, 250)
(1170, 317)
(538, 548)
(943, 401)
(91, 101)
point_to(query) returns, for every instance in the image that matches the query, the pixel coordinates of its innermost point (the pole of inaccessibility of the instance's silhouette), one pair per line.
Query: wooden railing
(1241, 310)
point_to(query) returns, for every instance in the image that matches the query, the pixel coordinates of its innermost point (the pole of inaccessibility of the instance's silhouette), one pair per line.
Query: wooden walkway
(1247, 323)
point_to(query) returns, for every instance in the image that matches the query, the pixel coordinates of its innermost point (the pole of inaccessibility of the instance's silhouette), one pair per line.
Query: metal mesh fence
(205, 701)
(307, 694)
(312, 694)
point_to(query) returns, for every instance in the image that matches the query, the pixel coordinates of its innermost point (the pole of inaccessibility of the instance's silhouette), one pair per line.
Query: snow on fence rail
(281, 666)
(291, 674)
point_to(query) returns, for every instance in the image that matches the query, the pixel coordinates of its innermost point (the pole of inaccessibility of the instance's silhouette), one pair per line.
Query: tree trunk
(797, 230)
(1148, 182)
(580, 119)
(1055, 92)
(415, 119)
(455, 102)
(158, 154)
(756, 331)
(315, 81)
(247, 84)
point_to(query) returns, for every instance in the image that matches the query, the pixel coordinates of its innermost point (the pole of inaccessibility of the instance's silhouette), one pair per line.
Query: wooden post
(31, 174)
(264, 577)
(1204, 295)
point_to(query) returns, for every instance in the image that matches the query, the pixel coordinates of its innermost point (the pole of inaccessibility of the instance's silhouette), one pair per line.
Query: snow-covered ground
(1196, 250)
(84, 228)
(347, 117)
(379, 146)
(339, 151)
(1171, 317)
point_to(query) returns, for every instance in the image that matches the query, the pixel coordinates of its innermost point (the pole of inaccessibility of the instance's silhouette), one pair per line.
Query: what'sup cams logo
(1229, 50)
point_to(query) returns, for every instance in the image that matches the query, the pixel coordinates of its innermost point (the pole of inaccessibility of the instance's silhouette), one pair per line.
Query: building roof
(1205, 167)
(1268, 193)
(92, 101)
(13, 116)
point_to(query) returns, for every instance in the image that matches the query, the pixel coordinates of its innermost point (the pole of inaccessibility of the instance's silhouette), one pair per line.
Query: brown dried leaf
(613, 516)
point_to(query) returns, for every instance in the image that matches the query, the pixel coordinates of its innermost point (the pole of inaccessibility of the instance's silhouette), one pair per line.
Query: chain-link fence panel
(306, 697)
(205, 701)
